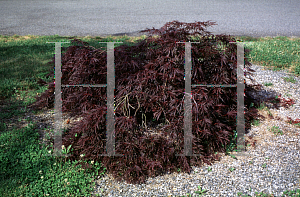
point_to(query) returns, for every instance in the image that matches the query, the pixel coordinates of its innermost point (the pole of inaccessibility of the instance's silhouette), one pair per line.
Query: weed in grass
(268, 84)
(297, 70)
(241, 194)
(234, 157)
(200, 192)
(289, 79)
(276, 100)
(295, 193)
(262, 106)
(276, 130)
(263, 195)
(288, 95)
(255, 122)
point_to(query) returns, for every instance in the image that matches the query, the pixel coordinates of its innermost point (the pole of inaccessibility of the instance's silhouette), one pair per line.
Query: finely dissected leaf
(150, 92)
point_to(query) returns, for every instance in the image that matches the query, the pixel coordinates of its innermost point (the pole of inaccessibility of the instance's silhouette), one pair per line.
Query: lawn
(26, 171)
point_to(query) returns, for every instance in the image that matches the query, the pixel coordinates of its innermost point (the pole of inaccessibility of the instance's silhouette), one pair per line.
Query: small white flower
(42, 177)
(82, 155)
(66, 180)
(49, 151)
(63, 146)
(40, 171)
(92, 162)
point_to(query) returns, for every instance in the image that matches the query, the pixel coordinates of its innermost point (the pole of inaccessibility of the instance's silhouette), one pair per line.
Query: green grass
(275, 53)
(26, 170)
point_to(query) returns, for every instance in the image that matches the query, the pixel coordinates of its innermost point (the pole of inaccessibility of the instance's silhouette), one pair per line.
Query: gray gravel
(100, 18)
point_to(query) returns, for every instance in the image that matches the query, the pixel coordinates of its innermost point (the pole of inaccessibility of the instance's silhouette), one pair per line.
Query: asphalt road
(119, 17)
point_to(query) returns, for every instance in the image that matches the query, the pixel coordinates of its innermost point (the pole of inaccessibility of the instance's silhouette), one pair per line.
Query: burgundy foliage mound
(149, 93)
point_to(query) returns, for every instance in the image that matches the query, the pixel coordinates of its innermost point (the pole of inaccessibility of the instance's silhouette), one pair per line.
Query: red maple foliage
(150, 75)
